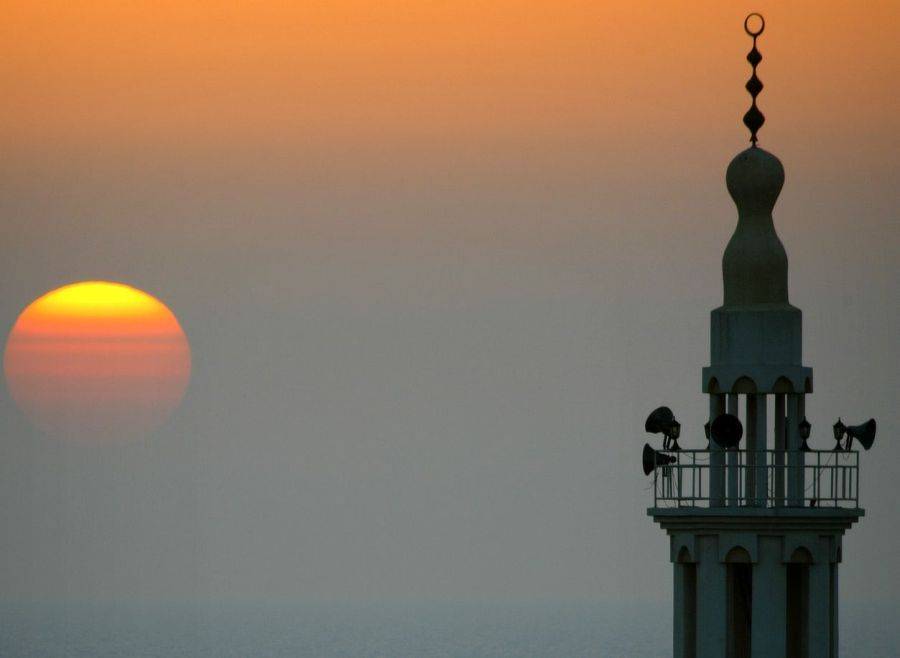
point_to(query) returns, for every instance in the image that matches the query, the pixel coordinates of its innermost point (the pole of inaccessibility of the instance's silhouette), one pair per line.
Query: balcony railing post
(844, 483)
(678, 476)
(695, 492)
(834, 474)
(655, 483)
(817, 488)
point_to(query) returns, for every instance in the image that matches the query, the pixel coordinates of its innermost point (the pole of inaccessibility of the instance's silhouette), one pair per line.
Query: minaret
(755, 530)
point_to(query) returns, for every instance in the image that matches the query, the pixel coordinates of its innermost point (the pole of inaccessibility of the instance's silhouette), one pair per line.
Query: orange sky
(214, 75)
(436, 260)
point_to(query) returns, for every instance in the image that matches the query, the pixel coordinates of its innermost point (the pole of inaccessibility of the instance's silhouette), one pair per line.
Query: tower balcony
(759, 479)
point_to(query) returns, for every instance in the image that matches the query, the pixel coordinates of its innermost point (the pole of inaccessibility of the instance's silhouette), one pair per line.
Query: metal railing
(756, 478)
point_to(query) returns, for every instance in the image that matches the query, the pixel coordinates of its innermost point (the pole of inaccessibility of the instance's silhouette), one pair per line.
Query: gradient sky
(436, 262)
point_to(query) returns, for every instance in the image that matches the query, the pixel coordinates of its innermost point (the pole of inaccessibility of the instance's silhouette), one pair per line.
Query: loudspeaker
(726, 431)
(662, 421)
(653, 458)
(864, 433)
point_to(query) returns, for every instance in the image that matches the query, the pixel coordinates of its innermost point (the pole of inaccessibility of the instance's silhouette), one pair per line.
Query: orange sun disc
(97, 361)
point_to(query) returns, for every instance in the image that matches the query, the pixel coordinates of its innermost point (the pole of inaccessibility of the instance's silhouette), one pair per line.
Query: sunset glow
(97, 360)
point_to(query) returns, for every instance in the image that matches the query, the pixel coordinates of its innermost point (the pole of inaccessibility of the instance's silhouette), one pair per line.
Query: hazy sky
(436, 261)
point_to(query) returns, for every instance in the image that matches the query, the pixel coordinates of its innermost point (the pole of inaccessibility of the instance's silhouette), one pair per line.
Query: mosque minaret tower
(755, 519)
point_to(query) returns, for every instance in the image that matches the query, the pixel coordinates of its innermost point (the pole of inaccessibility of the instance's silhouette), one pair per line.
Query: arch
(684, 555)
(807, 385)
(713, 386)
(783, 385)
(801, 555)
(744, 384)
(738, 555)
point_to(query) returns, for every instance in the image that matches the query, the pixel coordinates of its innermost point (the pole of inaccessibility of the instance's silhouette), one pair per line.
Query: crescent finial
(754, 119)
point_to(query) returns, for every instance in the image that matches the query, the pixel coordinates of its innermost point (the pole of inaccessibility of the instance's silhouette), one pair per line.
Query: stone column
(711, 600)
(835, 648)
(768, 638)
(732, 456)
(792, 437)
(750, 461)
(801, 456)
(678, 611)
(716, 456)
(756, 476)
(761, 473)
(779, 447)
(684, 619)
(820, 609)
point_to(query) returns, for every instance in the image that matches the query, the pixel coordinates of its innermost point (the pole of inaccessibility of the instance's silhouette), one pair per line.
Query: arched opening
(686, 571)
(801, 555)
(798, 603)
(783, 385)
(744, 385)
(738, 555)
(740, 602)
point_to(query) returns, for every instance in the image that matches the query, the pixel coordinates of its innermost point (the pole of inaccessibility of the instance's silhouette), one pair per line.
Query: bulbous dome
(754, 266)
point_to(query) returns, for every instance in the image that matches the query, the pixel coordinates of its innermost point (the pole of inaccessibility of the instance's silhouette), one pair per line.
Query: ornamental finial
(754, 119)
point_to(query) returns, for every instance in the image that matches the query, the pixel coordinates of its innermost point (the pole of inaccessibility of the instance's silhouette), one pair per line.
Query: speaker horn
(662, 421)
(864, 433)
(726, 430)
(653, 458)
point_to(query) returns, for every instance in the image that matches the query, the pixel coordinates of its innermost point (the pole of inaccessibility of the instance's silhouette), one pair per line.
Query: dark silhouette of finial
(754, 119)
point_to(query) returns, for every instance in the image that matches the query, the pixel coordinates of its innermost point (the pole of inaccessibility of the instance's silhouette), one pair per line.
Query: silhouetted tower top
(754, 265)
(756, 336)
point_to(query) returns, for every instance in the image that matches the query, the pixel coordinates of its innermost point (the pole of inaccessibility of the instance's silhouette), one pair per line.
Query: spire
(755, 265)
(754, 119)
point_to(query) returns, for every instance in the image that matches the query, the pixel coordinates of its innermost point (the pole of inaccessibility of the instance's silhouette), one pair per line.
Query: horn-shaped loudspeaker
(864, 433)
(726, 431)
(653, 458)
(660, 420)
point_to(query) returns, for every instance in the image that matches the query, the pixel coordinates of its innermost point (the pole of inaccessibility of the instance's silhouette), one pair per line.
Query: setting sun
(97, 360)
